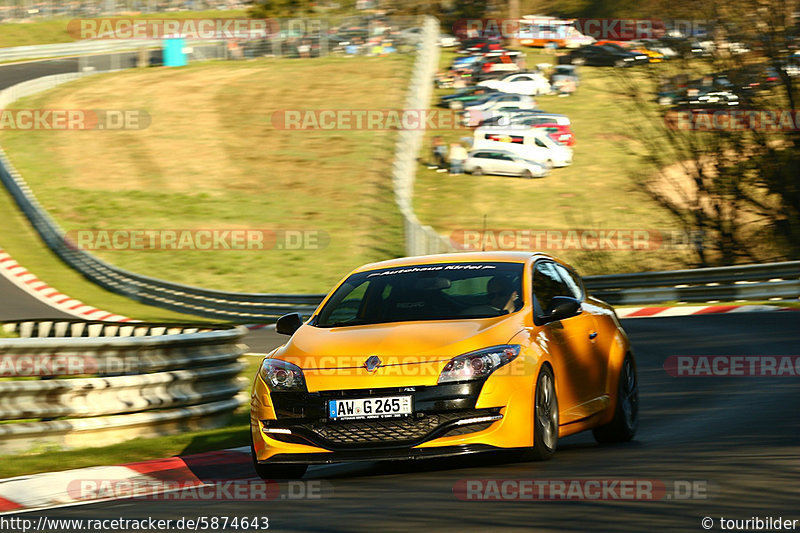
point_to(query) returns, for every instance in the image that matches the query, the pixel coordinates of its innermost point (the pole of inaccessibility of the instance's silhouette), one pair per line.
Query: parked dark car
(685, 48)
(604, 56)
(479, 45)
(708, 98)
(469, 94)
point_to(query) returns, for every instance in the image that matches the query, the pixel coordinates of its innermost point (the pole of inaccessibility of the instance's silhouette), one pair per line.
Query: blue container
(174, 56)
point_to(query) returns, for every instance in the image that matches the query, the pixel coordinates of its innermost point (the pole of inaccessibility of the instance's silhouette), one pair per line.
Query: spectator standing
(458, 154)
(439, 149)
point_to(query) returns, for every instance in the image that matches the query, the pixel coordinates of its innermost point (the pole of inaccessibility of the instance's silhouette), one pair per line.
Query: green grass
(212, 159)
(18, 238)
(53, 31)
(233, 435)
(602, 189)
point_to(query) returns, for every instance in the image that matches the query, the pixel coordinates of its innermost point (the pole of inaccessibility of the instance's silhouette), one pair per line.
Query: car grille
(384, 432)
(374, 431)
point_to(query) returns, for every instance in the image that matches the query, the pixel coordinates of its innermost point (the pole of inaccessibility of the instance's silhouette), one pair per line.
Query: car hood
(397, 343)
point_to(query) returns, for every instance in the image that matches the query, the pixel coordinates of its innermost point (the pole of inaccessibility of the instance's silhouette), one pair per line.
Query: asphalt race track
(734, 438)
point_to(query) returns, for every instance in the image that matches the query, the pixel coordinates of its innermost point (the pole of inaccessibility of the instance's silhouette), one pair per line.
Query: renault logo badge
(372, 363)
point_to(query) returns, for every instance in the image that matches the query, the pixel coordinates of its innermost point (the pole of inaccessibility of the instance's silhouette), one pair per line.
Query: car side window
(547, 283)
(540, 143)
(572, 280)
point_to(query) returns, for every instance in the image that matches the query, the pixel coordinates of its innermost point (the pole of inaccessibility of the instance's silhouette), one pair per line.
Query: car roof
(459, 257)
(510, 130)
(494, 150)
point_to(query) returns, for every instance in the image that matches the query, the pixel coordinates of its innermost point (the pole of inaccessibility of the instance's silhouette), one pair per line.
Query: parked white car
(533, 144)
(475, 112)
(528, 83)
(503, 163)
(521, 118)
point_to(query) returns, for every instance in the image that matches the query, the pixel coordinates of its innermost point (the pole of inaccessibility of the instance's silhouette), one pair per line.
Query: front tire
(623, 426)
(477, 171)
(545, 417)
(276, 471)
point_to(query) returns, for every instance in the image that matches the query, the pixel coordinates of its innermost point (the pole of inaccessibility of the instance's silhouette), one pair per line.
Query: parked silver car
(503, 163)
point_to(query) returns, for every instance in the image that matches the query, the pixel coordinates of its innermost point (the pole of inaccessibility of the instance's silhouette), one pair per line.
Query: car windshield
(447, 291)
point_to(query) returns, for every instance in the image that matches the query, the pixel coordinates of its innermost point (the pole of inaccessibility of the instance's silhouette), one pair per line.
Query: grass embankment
(213, 159)
(602, 189)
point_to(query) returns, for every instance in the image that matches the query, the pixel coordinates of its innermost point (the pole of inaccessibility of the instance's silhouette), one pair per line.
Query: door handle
(592, 335)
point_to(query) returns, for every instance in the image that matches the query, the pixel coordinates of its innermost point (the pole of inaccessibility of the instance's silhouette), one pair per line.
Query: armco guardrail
(741, 282)
(102, 379)
(73, 49)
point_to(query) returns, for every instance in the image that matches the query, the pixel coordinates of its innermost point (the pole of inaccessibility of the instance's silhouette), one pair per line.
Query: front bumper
(448, 419)
(383, 455)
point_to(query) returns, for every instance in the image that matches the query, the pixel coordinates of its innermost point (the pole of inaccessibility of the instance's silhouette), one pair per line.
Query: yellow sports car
(443, 355)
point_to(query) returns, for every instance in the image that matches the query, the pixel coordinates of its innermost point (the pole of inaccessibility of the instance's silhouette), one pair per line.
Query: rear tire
(276, 471)
(477, 171)
(545, 417)
(623, 426)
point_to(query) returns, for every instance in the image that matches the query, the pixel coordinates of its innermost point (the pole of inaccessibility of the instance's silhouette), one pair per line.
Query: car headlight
(282, 376)
(477, 365)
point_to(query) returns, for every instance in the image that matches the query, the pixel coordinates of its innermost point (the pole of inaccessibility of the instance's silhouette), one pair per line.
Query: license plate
(369, 408)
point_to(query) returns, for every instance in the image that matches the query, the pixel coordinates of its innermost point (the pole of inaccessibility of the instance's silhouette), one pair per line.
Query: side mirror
(562, 307)
(288, 324)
